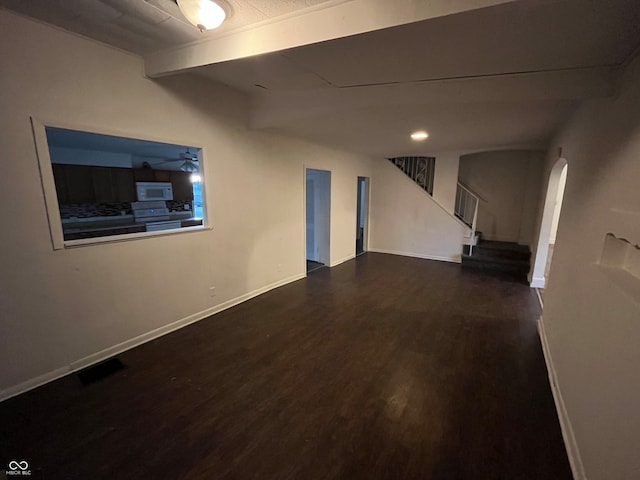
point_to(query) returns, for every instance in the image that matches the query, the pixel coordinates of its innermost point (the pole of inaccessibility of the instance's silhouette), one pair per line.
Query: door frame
(327, 205)
(365, 204)
(538, 279)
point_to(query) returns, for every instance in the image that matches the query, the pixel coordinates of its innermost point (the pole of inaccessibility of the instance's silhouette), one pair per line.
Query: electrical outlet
(212, 291)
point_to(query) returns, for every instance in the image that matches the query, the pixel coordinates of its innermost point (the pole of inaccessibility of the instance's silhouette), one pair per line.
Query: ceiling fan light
(204, 14)
(189, 167)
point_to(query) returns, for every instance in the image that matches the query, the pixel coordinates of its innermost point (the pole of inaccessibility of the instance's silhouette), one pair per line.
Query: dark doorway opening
(361, 216)
(318, 218)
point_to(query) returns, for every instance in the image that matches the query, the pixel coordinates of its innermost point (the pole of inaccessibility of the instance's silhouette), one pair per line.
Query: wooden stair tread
(497, 245)
(496, 260)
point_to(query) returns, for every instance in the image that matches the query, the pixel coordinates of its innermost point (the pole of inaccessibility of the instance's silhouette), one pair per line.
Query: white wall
(405, 220)
(61, 307)
(549, 197)
(592, 326)
(445, 181)
(558, 206)
(77, 156)
(509, 183)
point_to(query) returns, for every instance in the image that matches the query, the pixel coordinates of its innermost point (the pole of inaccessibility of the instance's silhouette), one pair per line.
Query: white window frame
(51, 196)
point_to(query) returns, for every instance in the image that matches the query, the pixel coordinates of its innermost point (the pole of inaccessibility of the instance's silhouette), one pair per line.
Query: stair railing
(466, 209)
(419, 169)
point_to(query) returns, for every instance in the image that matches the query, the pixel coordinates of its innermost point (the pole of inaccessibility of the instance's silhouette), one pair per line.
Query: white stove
(152, 211)
(155, 215)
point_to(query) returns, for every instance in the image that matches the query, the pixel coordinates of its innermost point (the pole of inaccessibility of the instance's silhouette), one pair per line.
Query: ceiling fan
(189, 161)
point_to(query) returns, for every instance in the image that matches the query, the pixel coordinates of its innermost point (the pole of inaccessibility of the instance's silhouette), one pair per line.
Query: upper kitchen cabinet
(182, 187)
(123, 185)
(77, 184)
(102, 186)
(79, 180)
(162, 176)
(144, 175)
(59, 176)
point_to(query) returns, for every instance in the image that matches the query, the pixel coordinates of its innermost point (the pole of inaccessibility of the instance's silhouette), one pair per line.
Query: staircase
(422, 171)
(419, 169)
(505, 259)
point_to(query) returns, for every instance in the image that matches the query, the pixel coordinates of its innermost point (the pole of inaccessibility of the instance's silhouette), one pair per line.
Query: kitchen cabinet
(162, 175)
(79, 181)
(113, 185)
(123, 184)
(192, 222)
(102, 185)
(182, 187)
(61, 183)
(144, 175)
(104, 232)
(88, 184)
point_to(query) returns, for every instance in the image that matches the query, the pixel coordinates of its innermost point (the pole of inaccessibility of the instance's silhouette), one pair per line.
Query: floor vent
(100, 371)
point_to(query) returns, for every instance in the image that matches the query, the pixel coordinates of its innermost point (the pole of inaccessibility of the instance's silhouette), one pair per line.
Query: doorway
(318, 218)
(549, 224)
(362, 215)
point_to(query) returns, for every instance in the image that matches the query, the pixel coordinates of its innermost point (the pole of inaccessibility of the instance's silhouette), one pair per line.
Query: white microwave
(148, 191)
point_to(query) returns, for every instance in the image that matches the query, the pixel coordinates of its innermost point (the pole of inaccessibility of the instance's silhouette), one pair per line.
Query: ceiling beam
(276, 108)
(334, 19)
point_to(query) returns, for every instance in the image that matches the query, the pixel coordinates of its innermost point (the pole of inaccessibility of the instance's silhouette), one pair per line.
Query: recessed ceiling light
(204, 14)
(419, 136)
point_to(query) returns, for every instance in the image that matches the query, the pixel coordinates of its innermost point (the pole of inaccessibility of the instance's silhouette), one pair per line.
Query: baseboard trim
(137, 341)
(571, 445)
(32, 383)
(452, 259)
(342, 260)
(537, 282)
(539, 298)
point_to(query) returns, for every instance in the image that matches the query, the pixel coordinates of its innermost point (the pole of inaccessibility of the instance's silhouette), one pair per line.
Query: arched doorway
(549, 224)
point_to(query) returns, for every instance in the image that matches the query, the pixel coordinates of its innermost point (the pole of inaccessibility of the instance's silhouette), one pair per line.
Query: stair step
(507, 265)
(506, 276)
(509, 246)
(481, 251)
(507, 260)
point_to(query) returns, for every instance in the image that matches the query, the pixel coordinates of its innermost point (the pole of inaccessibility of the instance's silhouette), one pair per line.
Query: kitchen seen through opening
(108, 185)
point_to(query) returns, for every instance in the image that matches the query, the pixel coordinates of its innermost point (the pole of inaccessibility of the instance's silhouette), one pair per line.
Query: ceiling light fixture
(204, 14)
(419, 136)
(188, 166)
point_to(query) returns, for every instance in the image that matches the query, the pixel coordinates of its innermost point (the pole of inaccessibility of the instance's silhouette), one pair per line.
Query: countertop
(78, 228)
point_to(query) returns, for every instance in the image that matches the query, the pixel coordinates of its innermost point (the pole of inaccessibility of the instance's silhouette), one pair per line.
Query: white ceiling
(60, 137)
(476, 74)
(162, 156)
(143, 26)
(526, 36)
(507, 76)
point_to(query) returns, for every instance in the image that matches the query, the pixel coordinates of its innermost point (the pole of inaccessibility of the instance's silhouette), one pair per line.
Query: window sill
(132, 236)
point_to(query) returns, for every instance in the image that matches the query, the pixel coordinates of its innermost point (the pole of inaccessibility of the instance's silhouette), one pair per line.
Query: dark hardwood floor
(312, 266)
(384, 367)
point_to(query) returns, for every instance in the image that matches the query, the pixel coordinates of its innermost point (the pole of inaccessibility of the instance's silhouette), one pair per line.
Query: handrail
(466, 209)
(419, 169)
(473, 192)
